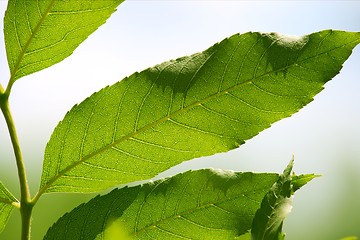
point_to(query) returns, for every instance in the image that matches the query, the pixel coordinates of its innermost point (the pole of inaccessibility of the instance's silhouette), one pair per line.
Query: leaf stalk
(26, 204)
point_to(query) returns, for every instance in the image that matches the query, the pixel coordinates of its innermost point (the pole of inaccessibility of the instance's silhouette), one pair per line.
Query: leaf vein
(79, 11)
(89, 178)
(161, 146)
(104, 168)
(242, 64)
(193, 77)
(88, 125)
(227, 66)
(253, 106)
(199, 225)
(137, 220)
(223, 209)
(198, 130)
(119, 109)
(137, 157)
(63, 39)
(142, 104)
(262, 56)
(171, 233)
(228, 117)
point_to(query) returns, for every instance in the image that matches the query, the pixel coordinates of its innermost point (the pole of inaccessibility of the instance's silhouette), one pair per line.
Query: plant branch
(25, 202)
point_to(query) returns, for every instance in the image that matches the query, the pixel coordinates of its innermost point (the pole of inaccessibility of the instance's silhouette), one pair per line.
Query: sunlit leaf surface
(194, 106)
(40, 33)
(203, 204)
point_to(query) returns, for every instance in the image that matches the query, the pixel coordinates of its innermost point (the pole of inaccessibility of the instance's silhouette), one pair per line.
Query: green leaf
(39, 34)
(7, 203)
(276, 205)
(203, 204)
(300, 180)
(194, 106)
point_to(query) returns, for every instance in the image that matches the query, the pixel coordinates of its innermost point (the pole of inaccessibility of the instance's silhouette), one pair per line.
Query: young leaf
(203, 204)
(194, 106)
(277, 203)
(7, 204)
(298, 181)
(39, 34)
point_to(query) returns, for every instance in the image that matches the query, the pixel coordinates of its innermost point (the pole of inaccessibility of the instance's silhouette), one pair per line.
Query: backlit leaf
(276, 205)
(39, 34)
(203, 204)
(7, 204)
(194, 106)
(301, 180)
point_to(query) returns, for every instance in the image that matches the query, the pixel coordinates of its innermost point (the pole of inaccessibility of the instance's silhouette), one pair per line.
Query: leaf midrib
(158, 122)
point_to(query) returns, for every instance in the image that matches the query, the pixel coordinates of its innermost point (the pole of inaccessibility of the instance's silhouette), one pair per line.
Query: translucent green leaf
(39, 34)
(194, 106)
(203, 204)
(300, 180)
(7, 204)
(277, 203)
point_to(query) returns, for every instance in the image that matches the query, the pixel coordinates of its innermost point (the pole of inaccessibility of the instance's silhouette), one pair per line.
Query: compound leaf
(39, 34)
(194, 106)
(7, 205)
(202, 204)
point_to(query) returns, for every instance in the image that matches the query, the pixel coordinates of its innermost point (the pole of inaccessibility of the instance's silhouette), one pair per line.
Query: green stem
(8, 88)
(26, 204)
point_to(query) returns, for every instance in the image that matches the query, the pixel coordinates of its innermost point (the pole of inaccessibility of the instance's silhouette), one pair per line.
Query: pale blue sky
(324, 137)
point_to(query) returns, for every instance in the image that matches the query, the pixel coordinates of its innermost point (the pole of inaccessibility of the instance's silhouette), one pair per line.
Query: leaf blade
(203, 204)
(194, 106)
(39, 34)
(276, 205)
(7, 205)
